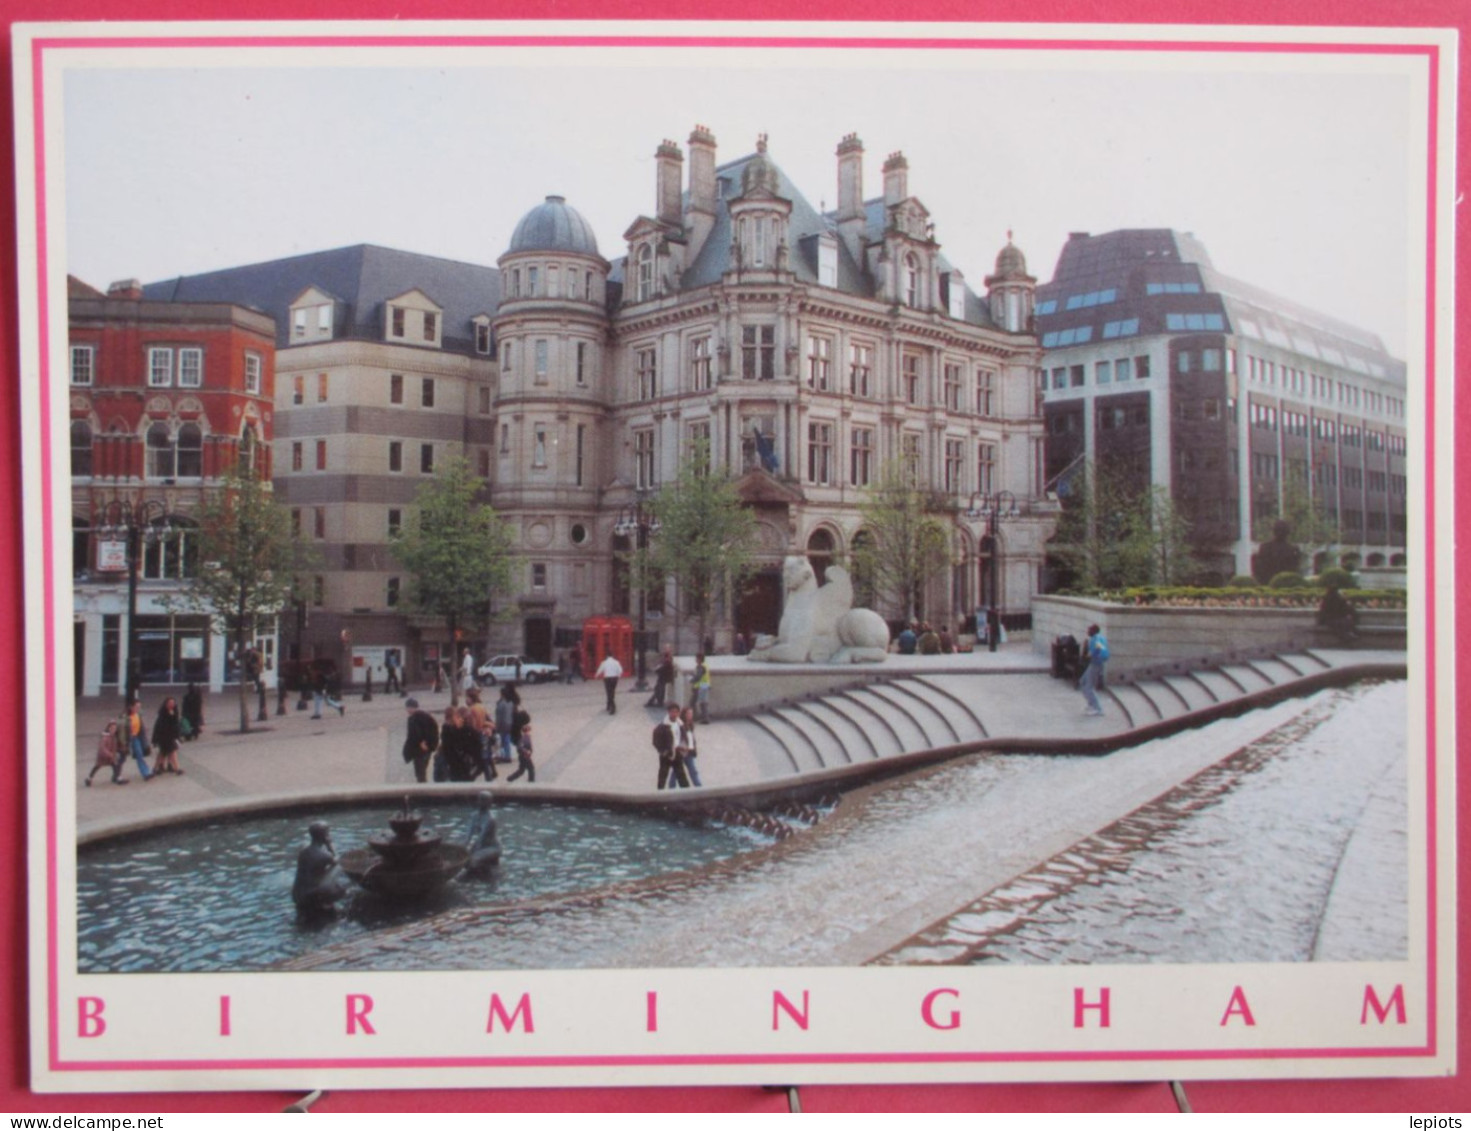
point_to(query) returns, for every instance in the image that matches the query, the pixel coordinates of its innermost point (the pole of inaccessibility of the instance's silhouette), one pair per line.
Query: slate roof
(362, 277)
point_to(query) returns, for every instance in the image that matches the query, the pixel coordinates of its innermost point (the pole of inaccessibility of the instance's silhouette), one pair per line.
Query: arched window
(645, 273)
(162, 453)
(820, 547)
(249, 448)
(81, 448)
(170, 549)
(190, 460)
(1375, 561)
(911, 280)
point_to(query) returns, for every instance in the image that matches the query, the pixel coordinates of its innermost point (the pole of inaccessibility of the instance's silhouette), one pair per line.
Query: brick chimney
(850, 217)
(125, 288)
(896, 179)
(670, 163)
(701, 217)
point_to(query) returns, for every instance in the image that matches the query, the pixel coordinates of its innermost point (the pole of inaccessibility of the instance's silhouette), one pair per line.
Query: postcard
(582, 553)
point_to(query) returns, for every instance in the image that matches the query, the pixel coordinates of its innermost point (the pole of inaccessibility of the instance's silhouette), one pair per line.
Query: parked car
(516, 669)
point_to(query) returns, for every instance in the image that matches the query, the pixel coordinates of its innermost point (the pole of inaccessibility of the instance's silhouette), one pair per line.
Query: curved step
(825, 748)
(871, 718)
(933, 725)
(798, 749)
(1191, 692)
(1246, 677)
(967, 722)
(849, 738)
(908, 734)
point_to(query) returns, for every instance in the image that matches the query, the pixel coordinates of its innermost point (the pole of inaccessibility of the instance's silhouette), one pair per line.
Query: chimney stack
(125, 288)
(896, 179)
(670, 176)
(701, 216)
(850, 216)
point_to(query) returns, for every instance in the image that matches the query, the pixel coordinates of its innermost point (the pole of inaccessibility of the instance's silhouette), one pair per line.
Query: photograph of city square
(725, 513)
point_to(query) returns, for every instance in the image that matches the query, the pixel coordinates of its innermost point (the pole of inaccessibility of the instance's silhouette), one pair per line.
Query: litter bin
(1066, 655)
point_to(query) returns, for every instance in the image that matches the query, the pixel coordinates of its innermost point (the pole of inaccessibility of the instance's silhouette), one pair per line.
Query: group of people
(925, 640)
(674, 741)
(471, 739)
(131, 738)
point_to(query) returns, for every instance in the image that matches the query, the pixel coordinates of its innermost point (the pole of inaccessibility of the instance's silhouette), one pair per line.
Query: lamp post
(640, 522)
(133, 520)
(993, 508)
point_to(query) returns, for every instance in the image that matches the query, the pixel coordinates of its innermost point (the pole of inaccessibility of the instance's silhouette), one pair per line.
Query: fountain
(408, 864)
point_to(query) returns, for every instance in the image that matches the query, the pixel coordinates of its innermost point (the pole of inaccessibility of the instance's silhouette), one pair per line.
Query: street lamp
(639, 521)
(132, 521)
(993, 508)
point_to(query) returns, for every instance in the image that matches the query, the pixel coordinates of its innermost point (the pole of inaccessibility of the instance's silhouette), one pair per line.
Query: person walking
(524, 751)
(666, 739)
(420, 740)
(684, 753)
(663, 677)
(700, 683)
(1095, 651)
(136, 736)
(166, 738)
(109, 755)
(392, 682)
(467, 669)
(323, 694)
(193, 709)
(505, 720)
(610, 671)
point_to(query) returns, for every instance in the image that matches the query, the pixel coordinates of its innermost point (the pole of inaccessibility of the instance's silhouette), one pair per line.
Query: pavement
(581, 749)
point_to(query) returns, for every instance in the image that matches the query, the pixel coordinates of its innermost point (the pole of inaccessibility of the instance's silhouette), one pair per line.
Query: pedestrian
(166, 738)
(449, 739)
(929, 641)
(420, 740)
(520, 720)
(523, 749)
(109, 755)
(467, 669)
(505, 717)
(740, 647)
(1095, 651)
(665, 739)
(610, 671)
(137, 738)
(700, 688)
(663, 677)
(323, 694)
(483, 729)
(907, 641)
(685, 752)
(193, 709)
(392, 681)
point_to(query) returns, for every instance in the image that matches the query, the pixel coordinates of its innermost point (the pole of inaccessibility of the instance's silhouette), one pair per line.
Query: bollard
(280, 698)
(368, 687)
(260, 688)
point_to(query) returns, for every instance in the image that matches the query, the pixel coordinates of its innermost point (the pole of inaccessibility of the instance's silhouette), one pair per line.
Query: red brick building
(164, 397)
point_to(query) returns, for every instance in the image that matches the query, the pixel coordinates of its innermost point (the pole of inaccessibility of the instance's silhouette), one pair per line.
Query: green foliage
(1288, 580)
(907, 544)
(1254, 596)
(707, 536)
(458, 553)
(1113, 532)
(1242, 581)
(1336, 578)
(247, 563)
(1310, 526)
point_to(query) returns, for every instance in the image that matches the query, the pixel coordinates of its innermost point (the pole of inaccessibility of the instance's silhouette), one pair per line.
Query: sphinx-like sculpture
(819, 624)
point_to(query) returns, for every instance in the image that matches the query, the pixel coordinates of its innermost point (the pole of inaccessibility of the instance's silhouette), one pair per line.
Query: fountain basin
(421, 875)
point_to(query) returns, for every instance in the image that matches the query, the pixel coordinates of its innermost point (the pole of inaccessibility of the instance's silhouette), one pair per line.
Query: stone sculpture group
(819, 624)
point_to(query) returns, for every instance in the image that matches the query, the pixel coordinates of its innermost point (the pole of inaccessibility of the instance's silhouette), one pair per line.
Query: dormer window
(397, 321)
(311, 316)
(645, 289)
(431, 326)
(827, 262)
(911, 280)
(482, 335)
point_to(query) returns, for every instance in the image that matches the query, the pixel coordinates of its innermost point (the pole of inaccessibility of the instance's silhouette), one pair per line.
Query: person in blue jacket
(1095, 651)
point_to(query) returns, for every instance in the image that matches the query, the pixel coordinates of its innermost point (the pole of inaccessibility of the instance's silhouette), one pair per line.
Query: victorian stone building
(806, 351)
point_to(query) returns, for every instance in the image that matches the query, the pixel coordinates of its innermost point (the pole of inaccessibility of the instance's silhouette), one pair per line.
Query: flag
(765, 451)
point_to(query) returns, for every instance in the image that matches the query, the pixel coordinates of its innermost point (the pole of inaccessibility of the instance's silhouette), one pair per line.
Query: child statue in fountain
(485, 849)
(318, 884)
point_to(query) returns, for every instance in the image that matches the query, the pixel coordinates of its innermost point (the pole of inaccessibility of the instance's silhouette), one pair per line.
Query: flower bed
(1260, 597)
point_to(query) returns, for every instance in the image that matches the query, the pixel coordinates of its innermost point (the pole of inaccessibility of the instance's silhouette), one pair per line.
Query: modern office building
(164, 398)
(1234, 400)
(805, 351)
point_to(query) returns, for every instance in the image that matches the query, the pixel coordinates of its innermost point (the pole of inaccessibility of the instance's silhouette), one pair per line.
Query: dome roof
(1011, 263)
(759, 174)
(554, 225)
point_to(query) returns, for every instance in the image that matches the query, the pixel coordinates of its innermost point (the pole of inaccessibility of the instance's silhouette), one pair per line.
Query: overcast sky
(1297, 181)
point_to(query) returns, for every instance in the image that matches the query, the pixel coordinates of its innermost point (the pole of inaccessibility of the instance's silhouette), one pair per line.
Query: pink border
(1431, 52)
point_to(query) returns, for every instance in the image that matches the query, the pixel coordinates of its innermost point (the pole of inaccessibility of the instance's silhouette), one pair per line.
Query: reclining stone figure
(819, 624)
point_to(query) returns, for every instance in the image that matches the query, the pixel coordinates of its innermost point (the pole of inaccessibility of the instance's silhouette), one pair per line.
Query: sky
(1296, 180)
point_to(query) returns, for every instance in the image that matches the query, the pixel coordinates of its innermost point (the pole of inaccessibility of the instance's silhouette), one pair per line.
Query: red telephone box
(602, 636)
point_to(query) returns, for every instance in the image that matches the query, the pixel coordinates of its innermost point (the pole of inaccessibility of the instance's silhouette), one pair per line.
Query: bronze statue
(485, 849)
(318, 882)
(1277, 556)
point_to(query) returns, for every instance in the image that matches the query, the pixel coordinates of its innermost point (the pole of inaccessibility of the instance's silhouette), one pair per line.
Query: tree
(907, 543)
(248, 558)
(458, 554)
(1116, 531)
(1310, 524)
(707, 536)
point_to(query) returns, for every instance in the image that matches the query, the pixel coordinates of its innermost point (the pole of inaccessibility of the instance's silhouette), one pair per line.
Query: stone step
(875, 718)
(1195, 695)
(1168, 702)
(1222, 687)
(935, 727)
(957, 698)
(850, 737)
(772, 757)
(825, 747)
(1246, 677)
(1275, 670)
(801, 754)
(907, 732)
(1137, 708)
